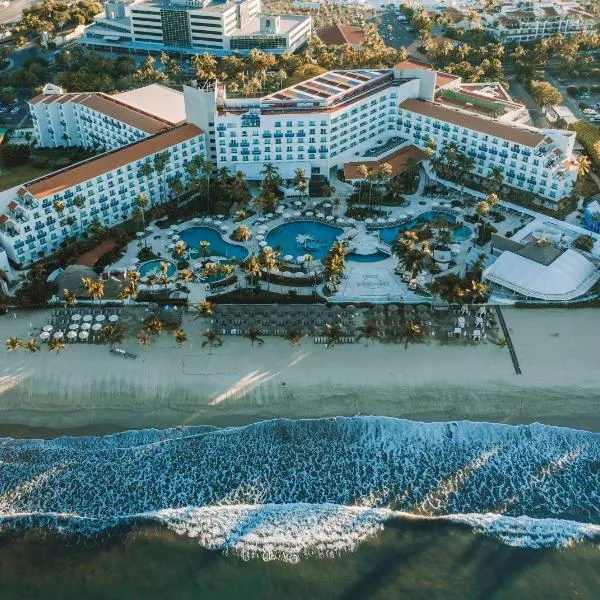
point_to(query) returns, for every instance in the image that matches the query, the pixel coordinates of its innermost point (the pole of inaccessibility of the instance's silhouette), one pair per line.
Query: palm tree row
(14, 343)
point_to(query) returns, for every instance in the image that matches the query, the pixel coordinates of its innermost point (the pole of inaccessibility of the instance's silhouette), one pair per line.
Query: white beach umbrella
(175, 237)
(301, 259)
(84, 335)
(435, 204)
(87, 318)
(297, 213)
(262, 244)
(47, 328)
(76, 317)
(73, 326)
(368, 221)
(113, 318)
(381, 220)
(59, 335)
(208, 220)
(297, 203)
(310, 213)
(403, 217)
(320, 215)
(45, 335)
(411, 213)
(279, 210)
(288, 257)
(196, 220)
(217, 222)
(100, 318)
(391, 219)
(329, 218)
(85, 326)
(96, 327)
(259, 237)
(72, 335)
(327, 205)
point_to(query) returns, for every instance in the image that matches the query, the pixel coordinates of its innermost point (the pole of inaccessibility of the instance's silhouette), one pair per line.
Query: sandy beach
(86, 389)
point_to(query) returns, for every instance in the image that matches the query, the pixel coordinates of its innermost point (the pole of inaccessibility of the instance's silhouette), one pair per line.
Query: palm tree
(145, 171)
(142, 203)
(144, 338)
(32, 346)
(212, 339)
(79, 203)
(362, 173)
(584, 166)
(56, 345)
(369, 331)
(293, 336)
(151, 280)
(413, 332)
(176, 187)
(333, 333)
(238, 188)
(254, 336)
(185, 275)
(242, 233)
(59, 206)
(251, 267)
(300, 181)
(13, 344)
(161, 160)
(204, 309)
(204, 246)
(113, 334)
(477, 290)
(154, 326)
(496, 179)
(180, 336)
(69, 297)
(413, 261)
(180, 248)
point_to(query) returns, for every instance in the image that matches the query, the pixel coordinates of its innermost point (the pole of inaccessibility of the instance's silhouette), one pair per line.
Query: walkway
(511, 348)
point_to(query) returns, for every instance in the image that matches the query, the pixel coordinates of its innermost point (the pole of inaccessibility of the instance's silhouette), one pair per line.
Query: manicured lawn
(11, 176)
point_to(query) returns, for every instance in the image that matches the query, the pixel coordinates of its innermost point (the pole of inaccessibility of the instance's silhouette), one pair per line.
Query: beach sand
(88, 390)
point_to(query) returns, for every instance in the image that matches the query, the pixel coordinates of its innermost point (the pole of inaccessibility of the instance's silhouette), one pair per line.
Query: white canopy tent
(569, 276)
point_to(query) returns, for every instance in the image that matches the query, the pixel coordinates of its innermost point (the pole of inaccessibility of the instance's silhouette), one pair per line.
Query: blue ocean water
(288, 490)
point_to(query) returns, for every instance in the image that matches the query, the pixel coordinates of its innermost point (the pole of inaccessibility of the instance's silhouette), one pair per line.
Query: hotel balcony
(9, 225)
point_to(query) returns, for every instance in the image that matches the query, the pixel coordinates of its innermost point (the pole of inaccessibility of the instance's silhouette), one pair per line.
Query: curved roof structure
(566, 278)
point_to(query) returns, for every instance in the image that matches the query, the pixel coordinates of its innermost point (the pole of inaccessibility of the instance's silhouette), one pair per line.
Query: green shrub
(572, 90)
(584, 242)
(13, 155)
(589, 137)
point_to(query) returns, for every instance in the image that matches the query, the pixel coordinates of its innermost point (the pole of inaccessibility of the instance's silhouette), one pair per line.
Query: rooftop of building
(442, 78)
(398, 160)
(339, 34)
(328, 88)
(110, 106)
(157, 100)
(286, 24)
(104, 163)
(215, 6)
(518, 135)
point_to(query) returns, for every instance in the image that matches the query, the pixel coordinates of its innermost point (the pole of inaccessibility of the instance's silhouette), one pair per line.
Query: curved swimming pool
(192, 236)
(304, 237)
(367, 258)
(389, 234)
(153, 266)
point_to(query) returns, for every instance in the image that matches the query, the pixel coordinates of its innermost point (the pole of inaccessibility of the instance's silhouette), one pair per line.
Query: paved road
(12, 13)
(518, 92)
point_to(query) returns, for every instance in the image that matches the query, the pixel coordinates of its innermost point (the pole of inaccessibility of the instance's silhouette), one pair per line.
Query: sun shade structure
(566, 278)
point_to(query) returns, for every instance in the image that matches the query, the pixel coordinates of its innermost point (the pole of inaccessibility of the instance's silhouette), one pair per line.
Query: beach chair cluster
(342, 340)
(79, 325)
(472, 323)
(277, 320)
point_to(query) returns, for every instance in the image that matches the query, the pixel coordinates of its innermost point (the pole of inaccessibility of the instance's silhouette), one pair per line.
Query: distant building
(193, 26)
(517, 22)
(339, 35)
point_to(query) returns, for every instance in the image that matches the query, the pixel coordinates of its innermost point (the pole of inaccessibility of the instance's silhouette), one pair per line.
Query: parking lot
(590, 98)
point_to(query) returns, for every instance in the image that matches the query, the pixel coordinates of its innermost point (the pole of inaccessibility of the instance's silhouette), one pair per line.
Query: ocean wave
(288, 489)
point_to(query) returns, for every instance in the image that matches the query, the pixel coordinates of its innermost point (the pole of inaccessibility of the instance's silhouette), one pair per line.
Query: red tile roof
(338, 35)
(398, 161)
(94, 167)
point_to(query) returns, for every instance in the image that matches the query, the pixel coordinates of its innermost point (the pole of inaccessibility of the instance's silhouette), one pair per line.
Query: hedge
(589, 137)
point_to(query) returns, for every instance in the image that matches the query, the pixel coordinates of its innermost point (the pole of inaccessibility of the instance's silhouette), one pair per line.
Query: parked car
(15, 110)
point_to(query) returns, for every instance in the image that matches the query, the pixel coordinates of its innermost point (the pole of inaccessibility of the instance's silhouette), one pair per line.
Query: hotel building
(344, 116)
(325, 124)
(193, 26)
(536, 20)
(108, 184)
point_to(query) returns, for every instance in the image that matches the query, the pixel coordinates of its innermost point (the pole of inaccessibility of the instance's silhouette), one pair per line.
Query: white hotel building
(331, 120)
(193, 26)
(30, 226)
(323, 125)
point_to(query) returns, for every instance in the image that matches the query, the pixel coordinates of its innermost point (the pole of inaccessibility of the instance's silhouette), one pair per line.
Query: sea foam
(289, 489)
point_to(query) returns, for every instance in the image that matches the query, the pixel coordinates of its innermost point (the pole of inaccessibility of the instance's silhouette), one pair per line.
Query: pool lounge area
(304, 237)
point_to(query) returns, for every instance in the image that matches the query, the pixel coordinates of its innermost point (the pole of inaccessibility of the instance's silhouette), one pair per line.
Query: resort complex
(220, 27)
(336, 131)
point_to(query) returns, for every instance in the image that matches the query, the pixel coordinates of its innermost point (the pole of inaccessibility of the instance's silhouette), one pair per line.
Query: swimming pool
(389, 234)
(304, 237)
(367, 258)
(462, 234)
(192, 236)
(153, 266)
